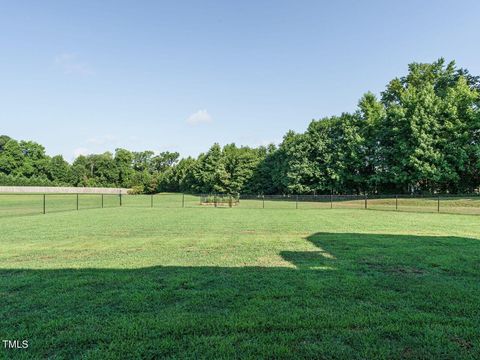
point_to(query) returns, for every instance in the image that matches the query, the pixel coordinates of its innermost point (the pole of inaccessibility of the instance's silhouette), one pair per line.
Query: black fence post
(77, 201)
(396, 202)
(438, 203)
(296, 201)
(44, 203)
(120, 199)
(331, 201)
(102, 201)
(215, 200)
(366, 201)
(183, 200)
(263, 201)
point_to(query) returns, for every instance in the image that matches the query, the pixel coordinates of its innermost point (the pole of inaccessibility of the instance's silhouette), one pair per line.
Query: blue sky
(90, 76)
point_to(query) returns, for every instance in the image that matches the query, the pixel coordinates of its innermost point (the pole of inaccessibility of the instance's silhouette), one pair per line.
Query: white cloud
(200, 117)
(70, 64)
(80, 151)
(102, 140)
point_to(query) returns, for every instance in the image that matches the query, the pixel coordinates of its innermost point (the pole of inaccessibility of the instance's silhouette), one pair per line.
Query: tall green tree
(209, 171)
(59, 170)
(142, 160)
(35, 161)
(423, 139)
(164, 161)
(124, 164)
(11, 158)
(371, 114)
(237, 166)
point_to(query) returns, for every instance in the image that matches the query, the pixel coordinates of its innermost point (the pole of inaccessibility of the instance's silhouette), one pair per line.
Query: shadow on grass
(356, 296)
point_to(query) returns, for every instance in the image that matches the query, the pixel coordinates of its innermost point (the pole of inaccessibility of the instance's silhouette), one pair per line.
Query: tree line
(421, 135)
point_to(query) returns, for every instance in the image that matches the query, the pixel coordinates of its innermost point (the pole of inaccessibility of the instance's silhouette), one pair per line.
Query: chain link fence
(28, 204)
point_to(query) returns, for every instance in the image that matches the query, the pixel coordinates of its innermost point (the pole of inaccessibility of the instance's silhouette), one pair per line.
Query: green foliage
(208, 171)
(422, 135)
(59, 170)
(181, 178)
(123, 161)
(3, 140)
(18, 180)
(425, 135)
(164, 161)
(225, 170)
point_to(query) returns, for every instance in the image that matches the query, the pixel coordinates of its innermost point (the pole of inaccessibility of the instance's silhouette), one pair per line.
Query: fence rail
(26, 204)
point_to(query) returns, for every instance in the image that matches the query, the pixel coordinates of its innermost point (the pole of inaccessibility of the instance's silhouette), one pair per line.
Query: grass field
(29, 204)
(221, 283)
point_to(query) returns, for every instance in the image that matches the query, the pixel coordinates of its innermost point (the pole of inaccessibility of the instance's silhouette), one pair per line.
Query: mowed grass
(32, 204)
(149, 283)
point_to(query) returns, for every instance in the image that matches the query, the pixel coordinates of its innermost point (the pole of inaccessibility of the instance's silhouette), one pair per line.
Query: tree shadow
(355, 296)
(343, 251)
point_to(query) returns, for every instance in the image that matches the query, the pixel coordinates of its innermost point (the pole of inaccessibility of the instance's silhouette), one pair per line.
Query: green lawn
(32, 204)
(135, 282)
